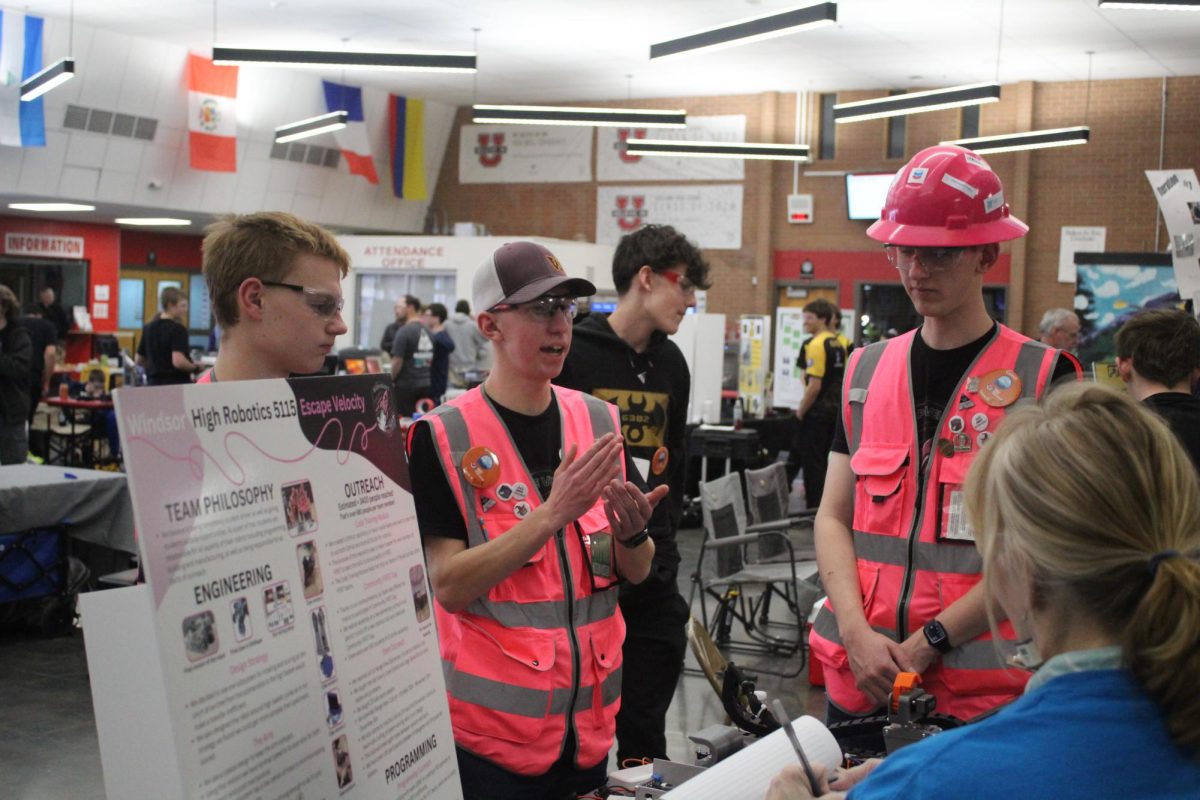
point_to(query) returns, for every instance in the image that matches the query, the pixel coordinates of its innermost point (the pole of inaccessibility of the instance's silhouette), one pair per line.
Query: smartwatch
(935, 634)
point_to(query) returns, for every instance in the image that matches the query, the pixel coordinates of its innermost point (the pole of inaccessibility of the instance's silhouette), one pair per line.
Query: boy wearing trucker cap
(896, 556)
(529, 525)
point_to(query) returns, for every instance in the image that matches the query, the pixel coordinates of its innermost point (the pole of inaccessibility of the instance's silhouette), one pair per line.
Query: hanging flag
(21, 124)
(406, 126)
(212, 115)
(352, 140)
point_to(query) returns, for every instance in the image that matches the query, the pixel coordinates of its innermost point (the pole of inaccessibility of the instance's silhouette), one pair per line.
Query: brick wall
(1101, 183)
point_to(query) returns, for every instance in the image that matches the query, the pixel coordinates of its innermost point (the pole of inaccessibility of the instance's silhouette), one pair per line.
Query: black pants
(483, 780)
(655, 640)
(813, 441)
(407, 397)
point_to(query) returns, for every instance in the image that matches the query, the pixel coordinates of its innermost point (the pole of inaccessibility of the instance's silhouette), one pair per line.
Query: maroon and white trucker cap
(519, 272)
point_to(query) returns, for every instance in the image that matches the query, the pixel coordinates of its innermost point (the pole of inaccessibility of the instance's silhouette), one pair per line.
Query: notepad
(748, 772)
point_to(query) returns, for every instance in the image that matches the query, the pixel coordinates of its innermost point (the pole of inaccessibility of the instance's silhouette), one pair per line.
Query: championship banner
(524, 154)
(292, 617)
(614, 164)
(711, 216)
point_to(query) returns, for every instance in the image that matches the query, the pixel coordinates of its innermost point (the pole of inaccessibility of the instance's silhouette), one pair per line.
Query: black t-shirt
(538, 439)
(1182, 413)
(160, 339)
(935, 376)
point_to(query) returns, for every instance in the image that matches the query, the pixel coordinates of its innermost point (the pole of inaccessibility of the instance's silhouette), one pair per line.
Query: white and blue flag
(22, 124)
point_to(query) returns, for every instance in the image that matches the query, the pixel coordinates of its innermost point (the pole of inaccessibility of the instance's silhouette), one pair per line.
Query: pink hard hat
(946, 196)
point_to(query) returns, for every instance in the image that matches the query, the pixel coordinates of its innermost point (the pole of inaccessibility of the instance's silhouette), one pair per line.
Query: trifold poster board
(701, 338)
(286, 598)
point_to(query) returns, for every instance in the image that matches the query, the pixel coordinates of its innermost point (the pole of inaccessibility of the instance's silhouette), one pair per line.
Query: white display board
(789, 336)
(614, 164)
(290, 606)
(524, 154)
(701, 338)
(1178, 194)
(711, 216)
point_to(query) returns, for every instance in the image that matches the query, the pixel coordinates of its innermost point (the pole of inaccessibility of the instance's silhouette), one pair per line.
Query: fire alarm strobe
(800, 208)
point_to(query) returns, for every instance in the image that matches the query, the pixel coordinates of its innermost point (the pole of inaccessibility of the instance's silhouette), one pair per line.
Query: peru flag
(352, 140)
(212, 115)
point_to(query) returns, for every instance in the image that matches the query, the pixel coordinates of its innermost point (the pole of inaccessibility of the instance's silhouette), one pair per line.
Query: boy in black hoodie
(627, 359)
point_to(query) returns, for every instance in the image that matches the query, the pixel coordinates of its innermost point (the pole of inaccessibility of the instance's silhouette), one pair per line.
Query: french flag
(353, 138)
(21, 124)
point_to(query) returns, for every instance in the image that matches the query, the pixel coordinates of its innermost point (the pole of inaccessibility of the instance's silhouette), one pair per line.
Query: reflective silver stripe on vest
(524, 702)
(825, 625)
(460, 442)
(856, 391)
(977, 654)
(547, 614)
(1028, 367)
(600, 415)
(959, 559)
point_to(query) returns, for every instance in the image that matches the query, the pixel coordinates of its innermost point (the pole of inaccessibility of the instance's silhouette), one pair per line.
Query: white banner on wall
(711, 216)
(1077, 240)
(524, 154)
(754, 360)
(614, 164)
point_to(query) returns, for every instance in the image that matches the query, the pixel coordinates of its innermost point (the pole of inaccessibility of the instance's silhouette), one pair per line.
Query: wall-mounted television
(865, 193)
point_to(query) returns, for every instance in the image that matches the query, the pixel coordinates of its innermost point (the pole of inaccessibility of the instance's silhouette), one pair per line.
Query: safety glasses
(543, 309)
(323, 304)
(680, 280)
(933, 259)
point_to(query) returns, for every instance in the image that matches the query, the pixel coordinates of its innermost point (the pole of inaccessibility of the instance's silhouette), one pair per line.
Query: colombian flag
(406, 132)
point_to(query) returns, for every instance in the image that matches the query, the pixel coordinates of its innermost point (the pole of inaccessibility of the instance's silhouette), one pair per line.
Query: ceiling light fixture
(57, 73)
(754, 29)
(1030, 140)
(413, 61)
(51, 207)
(151, 221)
(750, 150)
(313, 126)
(1152, 5)
(566, 115)
(917, 102)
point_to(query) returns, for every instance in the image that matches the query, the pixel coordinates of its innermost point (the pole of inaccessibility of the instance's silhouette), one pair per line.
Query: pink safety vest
(913, 547)
(543, 648)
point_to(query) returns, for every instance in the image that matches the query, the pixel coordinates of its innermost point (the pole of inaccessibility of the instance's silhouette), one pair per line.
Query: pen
(786, 722)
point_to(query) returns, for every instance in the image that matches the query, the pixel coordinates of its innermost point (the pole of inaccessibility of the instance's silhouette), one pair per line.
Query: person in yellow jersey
(823, 361)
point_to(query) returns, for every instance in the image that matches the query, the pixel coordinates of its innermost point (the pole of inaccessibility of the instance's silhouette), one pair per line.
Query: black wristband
(635, 540)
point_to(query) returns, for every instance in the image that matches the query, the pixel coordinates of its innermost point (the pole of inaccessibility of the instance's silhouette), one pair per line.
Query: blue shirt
(1086, 734)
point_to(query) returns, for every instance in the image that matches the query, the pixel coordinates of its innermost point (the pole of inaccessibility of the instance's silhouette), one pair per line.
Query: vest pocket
(503, 688)
(880, 488)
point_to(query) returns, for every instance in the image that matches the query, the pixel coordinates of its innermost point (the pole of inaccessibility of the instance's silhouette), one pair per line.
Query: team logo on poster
(623, 137)
(491, 149)
(643, 415)
(630, 211)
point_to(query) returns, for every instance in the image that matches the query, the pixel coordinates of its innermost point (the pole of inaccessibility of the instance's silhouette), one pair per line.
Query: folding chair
(737, 578)
(768, 491)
